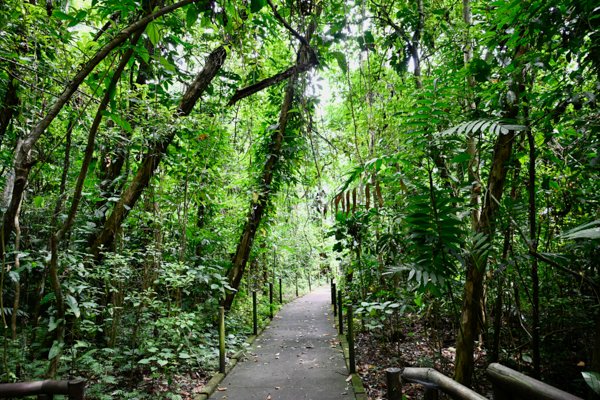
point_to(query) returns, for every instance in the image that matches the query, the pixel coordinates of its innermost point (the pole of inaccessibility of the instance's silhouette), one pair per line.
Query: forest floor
(374, 356)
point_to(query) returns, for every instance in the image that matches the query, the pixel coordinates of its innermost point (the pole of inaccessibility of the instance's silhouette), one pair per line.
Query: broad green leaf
(38, 201)
(164, 62)
(593, 380)
(191, 16)
(55, 350)
(257, 5)
(61, 15)
(461, 158)
(341, 60)
(72, 303)
(153, 33)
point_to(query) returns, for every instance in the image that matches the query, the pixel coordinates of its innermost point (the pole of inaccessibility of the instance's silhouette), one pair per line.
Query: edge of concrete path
(211, 386)
(357, 386)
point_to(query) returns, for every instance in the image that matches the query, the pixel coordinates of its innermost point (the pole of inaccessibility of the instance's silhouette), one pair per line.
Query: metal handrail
(73, 388)
(434, 381)
(508, 384)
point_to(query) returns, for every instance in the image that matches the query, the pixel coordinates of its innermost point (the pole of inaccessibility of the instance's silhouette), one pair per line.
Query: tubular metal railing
(44, 389)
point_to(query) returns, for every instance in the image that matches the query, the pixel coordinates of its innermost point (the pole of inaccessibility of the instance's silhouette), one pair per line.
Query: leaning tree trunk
(151, 160)
(57, 238)
(23, 161)
(257, 207)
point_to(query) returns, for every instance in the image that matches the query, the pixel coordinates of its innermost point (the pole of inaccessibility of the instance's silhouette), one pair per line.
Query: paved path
(293, 358)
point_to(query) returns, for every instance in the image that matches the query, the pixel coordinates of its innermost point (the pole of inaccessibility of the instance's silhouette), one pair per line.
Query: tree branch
(265, 83)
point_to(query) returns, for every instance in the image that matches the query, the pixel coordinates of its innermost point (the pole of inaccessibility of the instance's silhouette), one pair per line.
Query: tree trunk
(11, 101)
(257, 207)
(23, 161)
(476, 264)
(535, 298)
(59, 236)
(152, 159)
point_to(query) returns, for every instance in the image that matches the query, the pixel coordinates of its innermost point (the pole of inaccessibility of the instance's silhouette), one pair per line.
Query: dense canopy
(159, 158)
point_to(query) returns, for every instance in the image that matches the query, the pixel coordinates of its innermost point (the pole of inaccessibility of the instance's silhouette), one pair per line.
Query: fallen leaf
(276, 387)
(345, 393)
(269, 397)
(581, 364)
(221, 389)
(349, 378)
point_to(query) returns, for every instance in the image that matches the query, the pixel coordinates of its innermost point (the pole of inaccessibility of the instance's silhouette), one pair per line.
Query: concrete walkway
(295, 357)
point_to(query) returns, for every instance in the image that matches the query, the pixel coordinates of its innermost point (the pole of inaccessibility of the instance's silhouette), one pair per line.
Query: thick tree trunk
(152, 159)
(257, 207)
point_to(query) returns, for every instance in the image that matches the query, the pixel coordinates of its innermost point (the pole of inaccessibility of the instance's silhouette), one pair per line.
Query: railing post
(222, 339)
(340, 313)
(332, 287)
(271, 300)
(394, 383)
(280, 291)
(76, 388)
(349, 313)
(296, 283)
(431, 394)
(499, 393)
(333, 300)
(254, 313)
(309, 284)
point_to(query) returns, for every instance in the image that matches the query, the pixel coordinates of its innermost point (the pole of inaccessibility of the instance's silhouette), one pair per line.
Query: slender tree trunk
(11, 101)
(476, 263)
(257, 206)
(59, 236)
(58, 207)
(152, 159)
(535, 297)
(22, 159)
(17, 266)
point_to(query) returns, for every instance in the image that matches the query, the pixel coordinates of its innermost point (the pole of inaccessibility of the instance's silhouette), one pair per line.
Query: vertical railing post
(76, 388)
(333, 300)
(349, 313)
(280, 291)
(309, 284)
(271, 300)
(254, 313)
(431, 394)
(331, 286)
(222, 339)
(340, 313)
(394, 383)
(296, 283)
